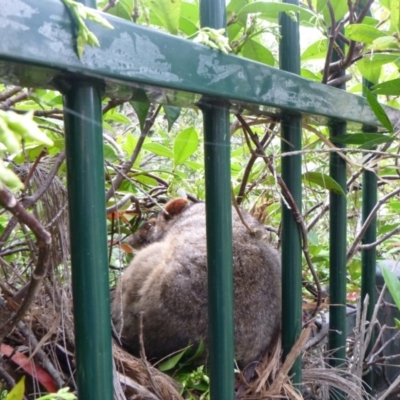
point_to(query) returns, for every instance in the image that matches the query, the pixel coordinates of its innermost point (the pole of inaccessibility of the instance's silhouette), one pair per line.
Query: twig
(9, 202)
(368, 221)
(40, 354)
(332, 38)
(5, 105)
(116, 182)
(10, 93)
(110, 4)
(121, 202)
(292, 204)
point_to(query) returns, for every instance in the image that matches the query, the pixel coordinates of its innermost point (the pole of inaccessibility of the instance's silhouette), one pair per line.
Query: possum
(167, 284)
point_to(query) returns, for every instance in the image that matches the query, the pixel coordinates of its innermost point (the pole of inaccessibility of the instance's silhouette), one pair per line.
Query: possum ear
(174, 207)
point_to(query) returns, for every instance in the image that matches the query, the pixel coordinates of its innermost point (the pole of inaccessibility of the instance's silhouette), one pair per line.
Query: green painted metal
(88, 230)
(133, 57)
(337, 255)
(337, 249)
(219, 250)
(289, 59)
(368, 257)
(219, 229)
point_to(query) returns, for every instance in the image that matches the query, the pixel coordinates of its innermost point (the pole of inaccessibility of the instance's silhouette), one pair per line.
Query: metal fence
(37, 49)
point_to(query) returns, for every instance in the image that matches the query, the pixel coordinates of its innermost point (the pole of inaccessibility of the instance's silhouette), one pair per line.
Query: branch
(291, 202)
(368, 221)
(332, 38)
(116, 182)
(10, 203)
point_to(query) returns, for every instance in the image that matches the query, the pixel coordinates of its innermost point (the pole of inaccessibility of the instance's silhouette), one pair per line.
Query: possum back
(167, 282)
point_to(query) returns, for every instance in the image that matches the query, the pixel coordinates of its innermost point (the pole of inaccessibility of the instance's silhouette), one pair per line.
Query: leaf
(172, 113)
(29, 366)
(393, 284)
(324, 181)
(363, 33)
(378, 110)
(370, 67)
(141, 110)
(158, 149)
(361, 138)
(306, 73)
(189, 19)
(394, 16)
(194, 165)
(270, 11)
(257, 52)
(315, 51)
(17, 392)
(339, 7)
(389, 88)
(173, 361)
(168, 12)
(122, 9)
(117, 117)
(185, 145)
(109, 153)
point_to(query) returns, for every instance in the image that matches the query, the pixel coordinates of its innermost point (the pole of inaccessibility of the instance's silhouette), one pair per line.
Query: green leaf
(185, 145)
(393, 284)
(158, 149)
(172, 113)
(117, 117)
(122, 9)
(306, 73)
(397, 323)
(109, 153)
(257, 52)
(361, 138)
(324, 181)
(194, 165)
(141, 110)
(168, 12)
(189, 19)
(363, 33)
(270, 11)
(385, 42)
(389, 88)
(17, 392)
(173, 361)
(339, 7)
(378, 110)
(370, 67)
(394, 16)
(315, 51)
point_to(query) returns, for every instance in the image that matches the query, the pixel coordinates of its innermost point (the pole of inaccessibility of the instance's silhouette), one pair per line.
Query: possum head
(155, 228)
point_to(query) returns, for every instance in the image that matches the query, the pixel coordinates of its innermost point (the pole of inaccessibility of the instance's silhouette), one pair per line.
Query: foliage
(393, 284)
(84, 35)
(159, 149)
(17, 393)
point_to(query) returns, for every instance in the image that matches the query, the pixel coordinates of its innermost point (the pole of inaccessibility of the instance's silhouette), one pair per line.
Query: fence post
(368, 256)
(219, 229)
(88, 231)
(337, 248)
(289, 59)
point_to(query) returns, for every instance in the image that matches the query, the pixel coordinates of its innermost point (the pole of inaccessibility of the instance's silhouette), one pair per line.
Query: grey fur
(167, 280)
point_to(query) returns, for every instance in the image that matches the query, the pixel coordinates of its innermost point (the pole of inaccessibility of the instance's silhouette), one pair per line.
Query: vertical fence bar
(337, 248)
(368, 256)
(88, 231)
(289, 59)
(337, 254)
(219, 229)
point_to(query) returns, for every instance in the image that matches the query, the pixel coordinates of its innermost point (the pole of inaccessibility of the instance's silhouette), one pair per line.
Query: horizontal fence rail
(132, 57)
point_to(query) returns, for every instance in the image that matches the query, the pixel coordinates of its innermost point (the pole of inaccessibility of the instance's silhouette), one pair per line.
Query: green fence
(37, 49)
